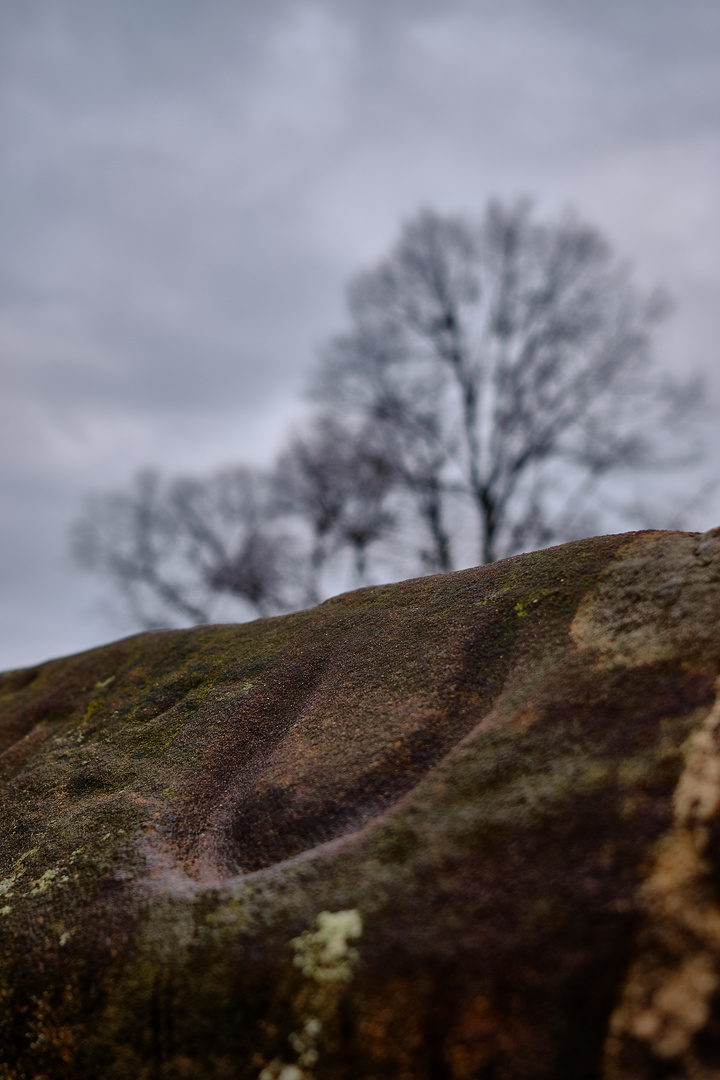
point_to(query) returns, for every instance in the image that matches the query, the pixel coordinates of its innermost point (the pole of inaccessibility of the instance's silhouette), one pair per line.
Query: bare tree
(171, 549)
(336, 485)
(502, 365)
(496, 375)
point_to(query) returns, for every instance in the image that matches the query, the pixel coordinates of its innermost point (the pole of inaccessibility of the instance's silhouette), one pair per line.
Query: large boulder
(465, 826)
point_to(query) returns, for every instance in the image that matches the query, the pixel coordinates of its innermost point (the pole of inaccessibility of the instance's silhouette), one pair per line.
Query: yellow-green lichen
(524, 607)
(48, 880)
(92, 708)
(6, 885)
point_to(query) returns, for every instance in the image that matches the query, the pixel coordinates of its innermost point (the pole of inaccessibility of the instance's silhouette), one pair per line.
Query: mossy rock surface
(465, 826)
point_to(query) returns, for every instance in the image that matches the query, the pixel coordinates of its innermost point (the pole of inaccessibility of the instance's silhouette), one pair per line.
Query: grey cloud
(185, 188)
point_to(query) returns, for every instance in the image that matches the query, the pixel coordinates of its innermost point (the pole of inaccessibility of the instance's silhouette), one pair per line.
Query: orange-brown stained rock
(460, 827)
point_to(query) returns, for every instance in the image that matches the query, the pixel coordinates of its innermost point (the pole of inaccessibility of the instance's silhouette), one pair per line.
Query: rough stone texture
(466, 826)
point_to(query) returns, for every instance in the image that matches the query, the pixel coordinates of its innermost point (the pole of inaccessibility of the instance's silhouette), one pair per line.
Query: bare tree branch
(170, 550)
(497, 350)
(495, 378)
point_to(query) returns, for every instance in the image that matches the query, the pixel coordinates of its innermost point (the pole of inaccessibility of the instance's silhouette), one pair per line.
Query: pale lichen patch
(277, 1071)
(304, 1043)
(326, 959)
(6, 885)
(324, 954)
(48, 880)
(666, 999)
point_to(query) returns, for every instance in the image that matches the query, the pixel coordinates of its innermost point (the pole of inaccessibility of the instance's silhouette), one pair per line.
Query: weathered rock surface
(462, 827)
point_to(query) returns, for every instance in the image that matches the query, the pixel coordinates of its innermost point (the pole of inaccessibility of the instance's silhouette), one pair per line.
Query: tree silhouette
(503, 365)
(496, 378)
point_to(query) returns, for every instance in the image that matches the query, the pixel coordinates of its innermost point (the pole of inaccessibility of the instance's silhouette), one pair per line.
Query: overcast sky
(186, 187)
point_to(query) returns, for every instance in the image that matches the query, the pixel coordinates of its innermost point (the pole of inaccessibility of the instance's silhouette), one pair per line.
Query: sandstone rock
(462, 827)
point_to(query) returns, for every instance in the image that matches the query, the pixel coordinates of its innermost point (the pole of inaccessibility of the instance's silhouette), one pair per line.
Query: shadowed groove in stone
(298, 769)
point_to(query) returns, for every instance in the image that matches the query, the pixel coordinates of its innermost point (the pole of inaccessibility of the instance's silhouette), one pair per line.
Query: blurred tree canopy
(494, 385)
